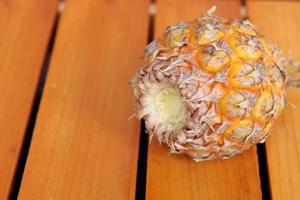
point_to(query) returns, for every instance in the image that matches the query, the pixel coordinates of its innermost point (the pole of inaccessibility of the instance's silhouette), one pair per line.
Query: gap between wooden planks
(280, 21)
(25, 29)
(178, 177)
(84, 146)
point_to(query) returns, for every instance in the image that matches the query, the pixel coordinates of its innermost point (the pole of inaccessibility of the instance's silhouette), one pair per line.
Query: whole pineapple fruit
(210, 88)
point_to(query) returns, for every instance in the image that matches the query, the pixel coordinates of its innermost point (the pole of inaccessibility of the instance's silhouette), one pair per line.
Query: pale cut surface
(282, 26)
(84, 146)
(179, 177)
(25, 29)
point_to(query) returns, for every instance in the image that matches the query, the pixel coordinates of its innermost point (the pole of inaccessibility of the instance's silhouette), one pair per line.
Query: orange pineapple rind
(210, 88)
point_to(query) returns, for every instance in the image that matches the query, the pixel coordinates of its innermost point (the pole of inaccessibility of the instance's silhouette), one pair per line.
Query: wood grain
(25, 29)
(179, 177)
(84, 146)
(282, 25)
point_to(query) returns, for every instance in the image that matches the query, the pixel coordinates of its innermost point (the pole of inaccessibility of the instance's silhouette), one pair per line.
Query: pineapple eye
(275, 75)
(240, 130)
(262, 134)
(234, 104)
(151, 51)
(218, 61)
(248, 52)
(227, 152)
(244, 76)
(263, 110)
(244, 47)
(176, 36)
(213, 61)
(209, 36)
(200, 154)
(279, 101)
(203, 35)
(266, 46)
(243, 27)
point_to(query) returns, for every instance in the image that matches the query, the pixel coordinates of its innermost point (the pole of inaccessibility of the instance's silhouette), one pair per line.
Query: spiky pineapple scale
(210, 88)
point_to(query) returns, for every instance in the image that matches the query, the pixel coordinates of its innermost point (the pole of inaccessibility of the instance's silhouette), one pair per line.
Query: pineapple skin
(229, 79)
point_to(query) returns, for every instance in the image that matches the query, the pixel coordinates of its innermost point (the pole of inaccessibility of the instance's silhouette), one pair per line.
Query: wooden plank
(179, 177)
(282, 26)
(25, 28)
(84, 146)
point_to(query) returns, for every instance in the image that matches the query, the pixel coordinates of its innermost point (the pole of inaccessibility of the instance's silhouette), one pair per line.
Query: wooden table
(65, 103)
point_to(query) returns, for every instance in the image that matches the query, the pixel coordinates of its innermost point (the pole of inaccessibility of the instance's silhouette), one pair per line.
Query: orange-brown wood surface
(84, 146)
(179, 177)
(280, 21)
(25, 28)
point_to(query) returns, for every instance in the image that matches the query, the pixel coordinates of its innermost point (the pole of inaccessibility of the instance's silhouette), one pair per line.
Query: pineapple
(210, 88)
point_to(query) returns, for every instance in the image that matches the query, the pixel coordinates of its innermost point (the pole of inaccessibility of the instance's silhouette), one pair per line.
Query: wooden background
(65, 103)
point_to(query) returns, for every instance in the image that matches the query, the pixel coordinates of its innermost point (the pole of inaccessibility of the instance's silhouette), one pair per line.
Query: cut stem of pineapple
(169, 106)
